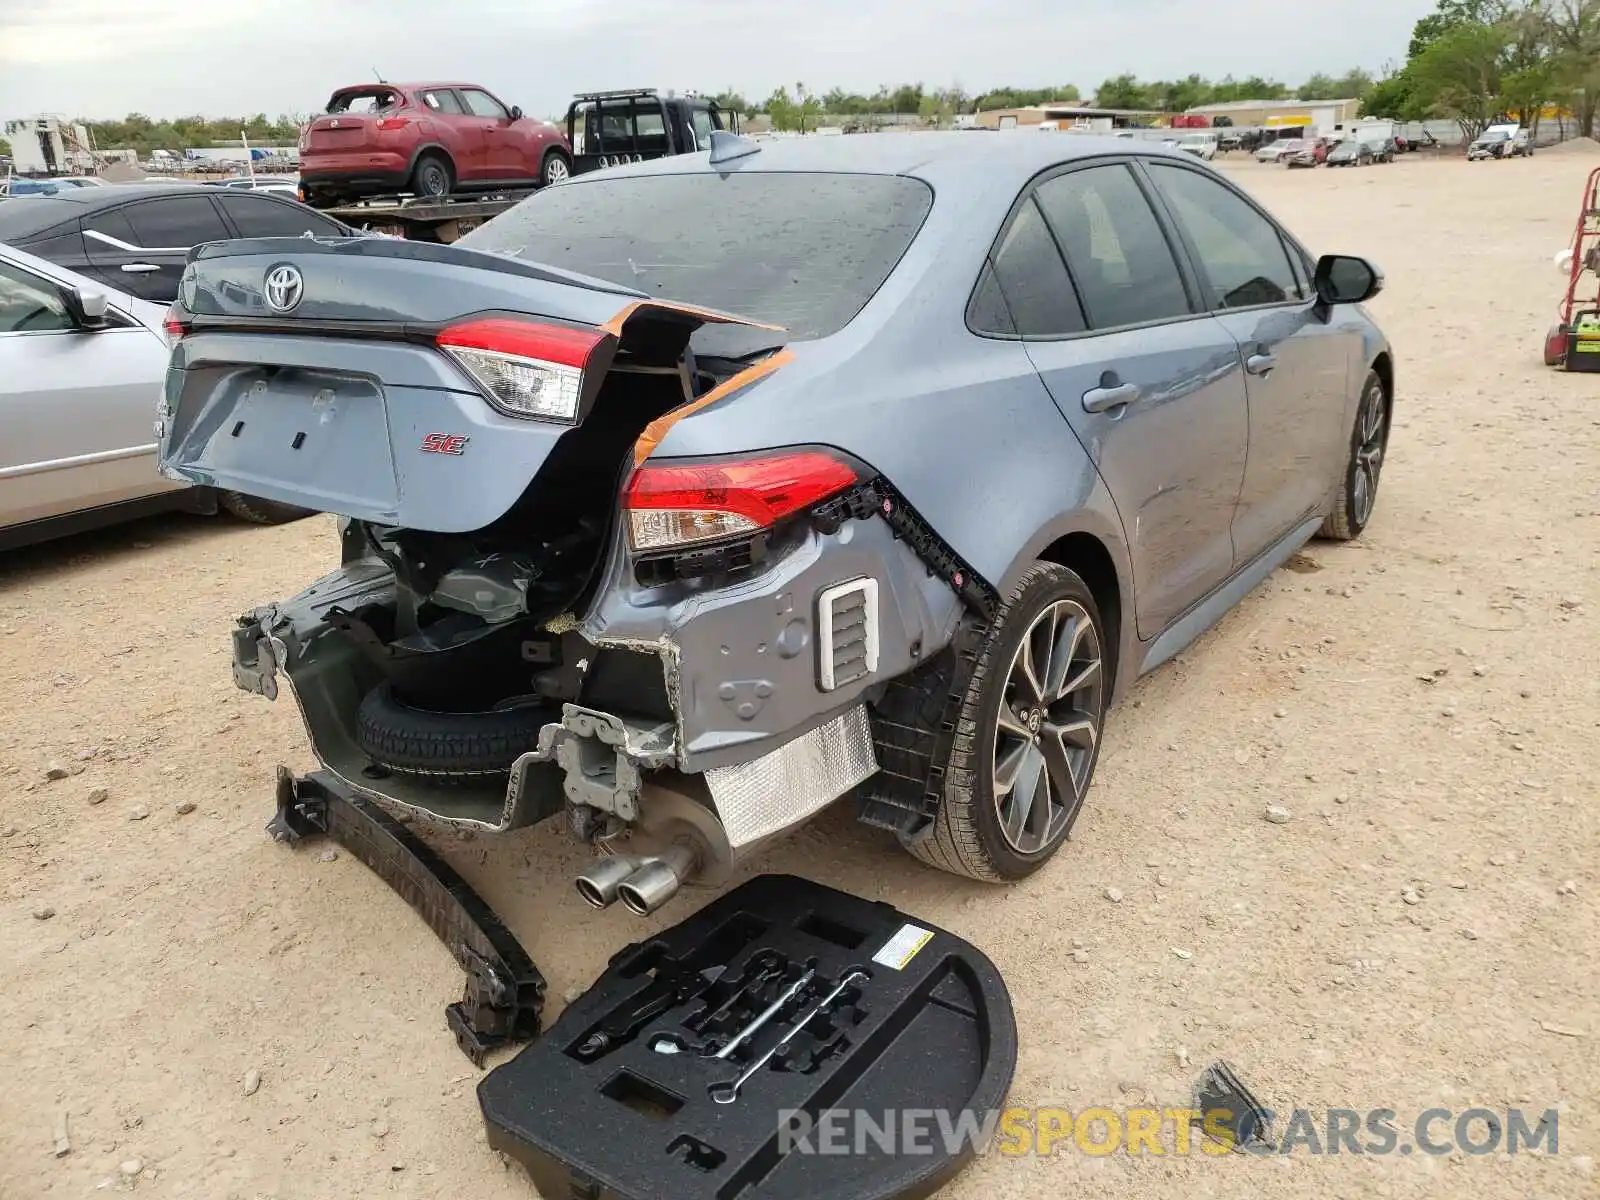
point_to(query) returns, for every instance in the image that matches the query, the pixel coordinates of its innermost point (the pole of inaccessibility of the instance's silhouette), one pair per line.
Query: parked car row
(1333, 152)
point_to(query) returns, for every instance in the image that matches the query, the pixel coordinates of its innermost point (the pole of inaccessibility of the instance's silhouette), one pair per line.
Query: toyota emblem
(284, 287)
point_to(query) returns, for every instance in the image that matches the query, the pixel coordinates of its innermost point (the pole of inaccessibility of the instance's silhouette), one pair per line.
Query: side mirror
(87, 306)
(1346, 279)
(516, 113)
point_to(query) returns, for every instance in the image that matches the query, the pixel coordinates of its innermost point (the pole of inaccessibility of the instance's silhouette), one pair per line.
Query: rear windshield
(26, 215)
(364, 100)
(802, 250)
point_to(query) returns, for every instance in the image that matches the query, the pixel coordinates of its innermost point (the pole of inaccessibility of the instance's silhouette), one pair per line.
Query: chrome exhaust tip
(657, 881)
(600, 883)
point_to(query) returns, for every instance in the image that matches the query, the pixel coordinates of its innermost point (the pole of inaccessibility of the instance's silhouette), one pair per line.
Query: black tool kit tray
(624, 1098)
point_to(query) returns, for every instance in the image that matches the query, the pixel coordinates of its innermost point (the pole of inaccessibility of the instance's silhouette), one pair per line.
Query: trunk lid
(309, 372)
(345, 131)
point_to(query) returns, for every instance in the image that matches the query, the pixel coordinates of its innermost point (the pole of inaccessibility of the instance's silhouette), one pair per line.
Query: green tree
(1451, 14)
(1122, 91)
(782, 110)
(1458, 75)
(1354, 84)
(5, 147)
(1574, 34)
(1394, 97)
(731, 101)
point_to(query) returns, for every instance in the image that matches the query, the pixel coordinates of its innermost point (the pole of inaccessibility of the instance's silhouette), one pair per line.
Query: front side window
(481, 104)
(1115, 247)
(258, 216)
(443, 102)
(1240, 251)
(29, 304)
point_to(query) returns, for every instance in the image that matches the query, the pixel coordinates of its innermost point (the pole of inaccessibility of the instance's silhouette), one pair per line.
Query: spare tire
(260, 512)
(442, 747)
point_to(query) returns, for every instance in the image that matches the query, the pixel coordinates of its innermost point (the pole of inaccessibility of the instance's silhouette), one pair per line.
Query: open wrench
(727, 1092)
(766, 1014)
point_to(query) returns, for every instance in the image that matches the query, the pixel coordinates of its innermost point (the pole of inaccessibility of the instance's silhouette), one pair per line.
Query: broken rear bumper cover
(767, 681)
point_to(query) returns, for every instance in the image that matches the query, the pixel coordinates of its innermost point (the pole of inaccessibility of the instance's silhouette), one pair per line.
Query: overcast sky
(105, 58)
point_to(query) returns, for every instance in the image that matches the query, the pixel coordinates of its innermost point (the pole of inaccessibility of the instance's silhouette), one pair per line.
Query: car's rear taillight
(526, 368)
(679, 504)
(390, 124)
(173, 324)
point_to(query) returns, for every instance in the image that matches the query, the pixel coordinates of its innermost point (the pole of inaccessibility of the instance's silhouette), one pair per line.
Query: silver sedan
(81, 368)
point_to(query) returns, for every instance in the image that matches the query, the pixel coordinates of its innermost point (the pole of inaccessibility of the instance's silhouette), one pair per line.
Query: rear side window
(1240, 251)
(257, 216)
(1120, 260)
(175, 222)
(802, 250)
(1029, 273)
(110, 228)
(38, 215)
(443, 102)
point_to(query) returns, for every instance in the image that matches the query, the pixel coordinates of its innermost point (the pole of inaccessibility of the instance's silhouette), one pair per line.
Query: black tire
(444, 747)
(556, 168)
(967, 837)
(432, 177)
(261, 512)
(1350, 515)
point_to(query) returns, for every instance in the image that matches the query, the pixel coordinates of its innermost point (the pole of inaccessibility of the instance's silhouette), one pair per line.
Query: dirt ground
(1421, 933)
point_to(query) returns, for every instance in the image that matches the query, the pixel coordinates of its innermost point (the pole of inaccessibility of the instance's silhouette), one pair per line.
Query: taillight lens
(671, 505)
(527, 369)
(392, 123)
(173, 324)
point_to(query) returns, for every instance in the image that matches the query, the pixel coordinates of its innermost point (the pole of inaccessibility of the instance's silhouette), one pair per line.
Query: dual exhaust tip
(643, 885)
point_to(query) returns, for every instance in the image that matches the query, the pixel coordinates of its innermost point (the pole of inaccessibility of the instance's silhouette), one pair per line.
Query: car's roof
(403, 87)
(947, 158)
(34, 214)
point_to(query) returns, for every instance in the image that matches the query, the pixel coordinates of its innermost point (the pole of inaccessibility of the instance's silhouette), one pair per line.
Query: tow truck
(604, 129)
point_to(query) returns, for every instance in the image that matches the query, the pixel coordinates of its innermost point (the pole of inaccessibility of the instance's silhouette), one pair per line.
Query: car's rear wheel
(440, 747)
(556, 169)
(1028, 733)
(432, 177)
(260, 512)
(1369, 443)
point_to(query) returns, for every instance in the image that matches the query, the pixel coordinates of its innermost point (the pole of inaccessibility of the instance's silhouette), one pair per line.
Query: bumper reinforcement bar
(504, 990)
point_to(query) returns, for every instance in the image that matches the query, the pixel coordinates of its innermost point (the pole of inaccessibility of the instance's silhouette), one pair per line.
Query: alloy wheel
(555, 170)
(1371, 437)
(1048, 727)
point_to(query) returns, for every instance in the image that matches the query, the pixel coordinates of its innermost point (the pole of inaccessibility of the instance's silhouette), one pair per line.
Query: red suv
(430, 139)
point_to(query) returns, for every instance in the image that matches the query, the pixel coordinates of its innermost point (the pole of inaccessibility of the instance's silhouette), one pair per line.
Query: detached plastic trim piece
(504, 990)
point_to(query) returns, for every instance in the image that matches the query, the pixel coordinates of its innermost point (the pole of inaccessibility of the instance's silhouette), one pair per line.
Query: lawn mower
(1574, 344)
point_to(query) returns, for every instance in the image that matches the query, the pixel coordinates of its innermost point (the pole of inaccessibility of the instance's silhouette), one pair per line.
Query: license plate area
(320, 436)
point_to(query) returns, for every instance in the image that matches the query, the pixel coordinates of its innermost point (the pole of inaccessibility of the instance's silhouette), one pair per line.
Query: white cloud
(104, 58)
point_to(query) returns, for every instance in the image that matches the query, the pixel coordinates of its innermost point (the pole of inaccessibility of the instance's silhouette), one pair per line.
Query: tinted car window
(802, 250)
(175, 222)
(110, 223)
(1239, 249)
(651, 131)
(1030, 274)
(987, 313)
(481, 104)
(29, 304)
(19, 220)
(1120, 259)
(259, 216)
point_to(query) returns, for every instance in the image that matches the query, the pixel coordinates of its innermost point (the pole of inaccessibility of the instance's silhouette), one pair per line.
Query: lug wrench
(727, 1092)
(766, 1014)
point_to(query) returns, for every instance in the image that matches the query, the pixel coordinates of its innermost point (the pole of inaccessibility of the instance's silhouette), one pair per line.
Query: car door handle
(1260, 364)
(1102, 398)
(139, 268)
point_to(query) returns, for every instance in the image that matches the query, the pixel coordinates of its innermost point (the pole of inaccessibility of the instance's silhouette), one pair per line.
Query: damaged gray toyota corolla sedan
(687, 498)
